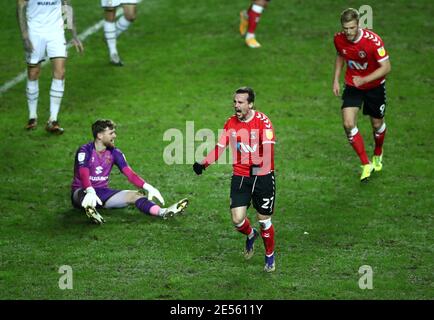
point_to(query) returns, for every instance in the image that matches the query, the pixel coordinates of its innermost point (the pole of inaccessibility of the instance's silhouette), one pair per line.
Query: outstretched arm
(133, 177)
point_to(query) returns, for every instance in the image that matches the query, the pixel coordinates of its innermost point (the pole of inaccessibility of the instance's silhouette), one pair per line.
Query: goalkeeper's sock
(245, 228)
(148, 207)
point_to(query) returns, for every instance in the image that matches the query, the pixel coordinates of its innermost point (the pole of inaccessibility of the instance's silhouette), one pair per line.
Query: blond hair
(349, 14)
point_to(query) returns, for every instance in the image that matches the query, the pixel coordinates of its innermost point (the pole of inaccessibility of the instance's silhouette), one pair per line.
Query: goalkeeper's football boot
(244, 22)
(175, 209)
(94, 215)
(270, 265)
(31, 124)
(252, 43)
(116, 60)
(250, 245)
(377, 162)
(366, 172)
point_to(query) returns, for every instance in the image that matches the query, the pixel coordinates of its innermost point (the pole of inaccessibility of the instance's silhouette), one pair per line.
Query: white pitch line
(82, 36)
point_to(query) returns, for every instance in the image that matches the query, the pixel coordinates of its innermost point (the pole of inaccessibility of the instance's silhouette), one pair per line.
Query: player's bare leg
(242, 224)
(56, 95)
(349, 118)
(267, 233)
(379, 128)
(32, 92)
(110, 35)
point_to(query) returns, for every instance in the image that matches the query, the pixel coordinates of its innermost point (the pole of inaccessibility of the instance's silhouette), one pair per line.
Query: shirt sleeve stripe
(385, 58)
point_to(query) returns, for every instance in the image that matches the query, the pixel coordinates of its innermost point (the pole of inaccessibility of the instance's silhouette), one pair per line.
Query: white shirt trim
(360, 37)
(383, 59)
(273, 142)
(254, 114)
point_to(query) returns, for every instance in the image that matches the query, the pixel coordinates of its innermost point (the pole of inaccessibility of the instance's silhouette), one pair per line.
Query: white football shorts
(51, 44)
(116, 3)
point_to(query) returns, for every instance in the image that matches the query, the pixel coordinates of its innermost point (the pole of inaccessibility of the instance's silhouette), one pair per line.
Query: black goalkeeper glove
(198, 168)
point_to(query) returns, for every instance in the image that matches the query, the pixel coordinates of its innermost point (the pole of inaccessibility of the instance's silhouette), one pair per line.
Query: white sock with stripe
(110, 36)
(56, 95)
(122, 25)
(32, 92)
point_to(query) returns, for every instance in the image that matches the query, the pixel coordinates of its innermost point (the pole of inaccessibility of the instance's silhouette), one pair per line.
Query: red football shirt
(363, 56)
(252, 144)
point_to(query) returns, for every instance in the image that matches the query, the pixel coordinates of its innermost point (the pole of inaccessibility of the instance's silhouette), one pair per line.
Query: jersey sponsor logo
(252, 135)
(362, 54)
(103, 178)
(47, 3)
(242, 147)
(355, 65)
(81, 156)
(381, 52)
(269, 134)
(98, 170)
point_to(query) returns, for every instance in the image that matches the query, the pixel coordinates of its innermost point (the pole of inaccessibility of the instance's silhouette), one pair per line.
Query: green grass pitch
(182, 63)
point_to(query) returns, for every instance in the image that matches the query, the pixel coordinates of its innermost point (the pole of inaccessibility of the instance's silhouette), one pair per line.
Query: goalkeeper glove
(153, 192)
(198, 168)
(91, 199)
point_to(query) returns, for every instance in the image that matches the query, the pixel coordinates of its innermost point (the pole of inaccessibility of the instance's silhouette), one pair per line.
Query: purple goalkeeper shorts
(104, 194)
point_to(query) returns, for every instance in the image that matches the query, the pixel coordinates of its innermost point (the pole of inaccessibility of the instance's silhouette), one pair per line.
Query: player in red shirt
(367, 65)
(251, 137)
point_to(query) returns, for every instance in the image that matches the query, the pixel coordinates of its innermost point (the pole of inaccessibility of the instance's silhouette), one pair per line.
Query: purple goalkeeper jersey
(100, 165)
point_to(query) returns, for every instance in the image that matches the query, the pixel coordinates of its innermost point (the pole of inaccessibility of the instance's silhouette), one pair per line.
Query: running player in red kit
(251, 137)
(367, 65)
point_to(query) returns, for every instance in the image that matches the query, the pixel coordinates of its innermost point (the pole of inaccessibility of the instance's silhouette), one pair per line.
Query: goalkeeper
(93, 164)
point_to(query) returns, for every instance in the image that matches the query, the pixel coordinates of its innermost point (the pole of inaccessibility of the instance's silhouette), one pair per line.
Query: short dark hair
(100, 125)
(249, 91)
(349, 15)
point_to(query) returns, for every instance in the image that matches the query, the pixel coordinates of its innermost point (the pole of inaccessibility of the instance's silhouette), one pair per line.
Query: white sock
(122, 25)
(258, 9)
(56, 94)
(265, 224)
(352, 133)
(32, 92)
(250, 35)
(110, 36)
(381, 129)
